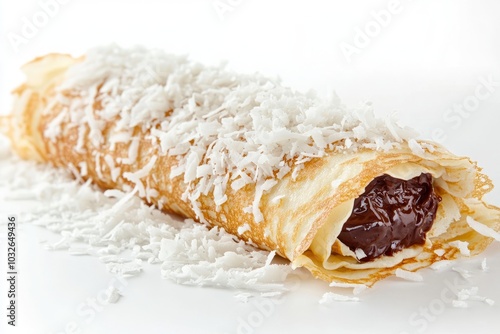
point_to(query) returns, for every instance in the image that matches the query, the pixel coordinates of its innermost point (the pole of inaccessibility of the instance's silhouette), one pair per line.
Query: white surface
(428, 58)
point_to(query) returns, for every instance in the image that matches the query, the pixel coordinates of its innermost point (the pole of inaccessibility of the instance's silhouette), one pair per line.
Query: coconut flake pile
(223, 127)
(125, 233)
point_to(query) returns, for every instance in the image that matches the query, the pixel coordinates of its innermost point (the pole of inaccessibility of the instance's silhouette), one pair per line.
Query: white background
(425, 60)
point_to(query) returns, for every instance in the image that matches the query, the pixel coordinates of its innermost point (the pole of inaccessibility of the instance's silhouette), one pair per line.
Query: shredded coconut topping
(220, 125)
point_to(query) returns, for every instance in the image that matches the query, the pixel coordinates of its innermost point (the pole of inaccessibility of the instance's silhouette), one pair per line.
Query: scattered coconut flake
(115, 171)
(463, 247)
(133, 151)
(330, 298)
(53, 129)
(243, 296)
(136, 176)
(243, 228)
(483, 229)
(271, 294)
(463, 272)
(80, 250)
(83, 168)
(247, 209)
(489, 301)
(428, 146)
(125, 269)
(440, 265)
(467, 293)
(113, 295)
(270, 257)
(459, 303)
(409, 275)
(416, 148)
(114, 193)
(98, 165)
(360, 254)
(357, 288)
(439, 252)
(75, 172)
(484, 265)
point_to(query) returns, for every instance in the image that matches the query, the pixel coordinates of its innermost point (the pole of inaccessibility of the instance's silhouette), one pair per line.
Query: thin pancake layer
(302, 214)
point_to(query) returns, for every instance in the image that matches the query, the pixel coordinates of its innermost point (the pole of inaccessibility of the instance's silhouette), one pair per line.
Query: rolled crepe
(279, 169)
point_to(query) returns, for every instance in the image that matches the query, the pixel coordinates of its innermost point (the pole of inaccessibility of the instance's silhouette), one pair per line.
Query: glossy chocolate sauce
(390, 215)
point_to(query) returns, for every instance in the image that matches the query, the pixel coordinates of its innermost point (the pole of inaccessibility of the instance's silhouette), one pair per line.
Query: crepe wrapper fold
(302, 217)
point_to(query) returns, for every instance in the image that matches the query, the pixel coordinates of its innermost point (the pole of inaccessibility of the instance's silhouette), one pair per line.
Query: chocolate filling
(390, 215)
